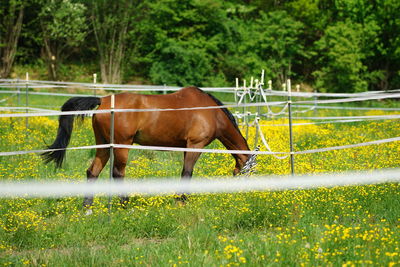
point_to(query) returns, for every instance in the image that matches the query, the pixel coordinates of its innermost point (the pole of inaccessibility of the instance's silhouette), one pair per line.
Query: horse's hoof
(124, 205)
(181, 200)
(88, 212)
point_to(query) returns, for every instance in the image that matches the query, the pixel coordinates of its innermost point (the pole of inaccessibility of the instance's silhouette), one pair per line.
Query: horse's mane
(225, 110)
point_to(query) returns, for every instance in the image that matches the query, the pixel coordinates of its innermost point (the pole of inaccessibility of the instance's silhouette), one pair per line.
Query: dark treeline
(331, 45)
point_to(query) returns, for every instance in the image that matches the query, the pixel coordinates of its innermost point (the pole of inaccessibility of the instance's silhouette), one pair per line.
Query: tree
(337, 45)
(181, 63)
(64, 27)
(111, 21)
(272, 42)
(11, 19)
(387, 56)
(341, 50)
(181, 42)
(315, 15)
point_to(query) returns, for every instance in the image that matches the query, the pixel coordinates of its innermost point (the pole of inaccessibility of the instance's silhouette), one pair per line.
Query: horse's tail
(65, 126)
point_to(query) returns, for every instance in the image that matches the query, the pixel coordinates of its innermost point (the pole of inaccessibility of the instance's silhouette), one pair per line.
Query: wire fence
(16, 189)
(54, 189)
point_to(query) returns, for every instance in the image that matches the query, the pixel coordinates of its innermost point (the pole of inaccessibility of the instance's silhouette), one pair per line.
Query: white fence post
(95, 83)
(27, 99)
(290, 126)
(112, 106)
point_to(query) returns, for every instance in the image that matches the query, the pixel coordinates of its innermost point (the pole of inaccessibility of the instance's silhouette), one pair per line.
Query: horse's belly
(148, 139)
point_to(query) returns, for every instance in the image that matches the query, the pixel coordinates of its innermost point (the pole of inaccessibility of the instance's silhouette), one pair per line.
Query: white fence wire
(21, 84)
(168, 186)
(53, 189)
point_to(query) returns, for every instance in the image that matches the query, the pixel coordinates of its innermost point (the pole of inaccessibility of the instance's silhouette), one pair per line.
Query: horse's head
(249, 165)
(246, 167)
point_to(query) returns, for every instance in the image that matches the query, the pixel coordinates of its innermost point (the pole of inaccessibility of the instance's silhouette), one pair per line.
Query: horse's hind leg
(121, 158)
(102, 155)
(190, 159)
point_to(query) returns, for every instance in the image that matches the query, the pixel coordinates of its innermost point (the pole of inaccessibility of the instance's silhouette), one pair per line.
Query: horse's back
(164, 128)
(182, 126)
(184, 98)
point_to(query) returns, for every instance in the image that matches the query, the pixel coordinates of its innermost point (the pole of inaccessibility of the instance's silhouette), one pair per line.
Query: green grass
(283, 228)
(357, 225)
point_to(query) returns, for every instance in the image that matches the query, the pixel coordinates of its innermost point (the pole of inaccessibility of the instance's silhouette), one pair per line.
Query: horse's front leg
(238, 166)
(190, 159)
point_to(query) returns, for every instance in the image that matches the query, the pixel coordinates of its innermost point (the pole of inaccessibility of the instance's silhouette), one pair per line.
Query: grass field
(342, 226)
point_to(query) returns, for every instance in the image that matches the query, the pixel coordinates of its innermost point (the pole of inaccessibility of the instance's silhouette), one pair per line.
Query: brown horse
(188, 129)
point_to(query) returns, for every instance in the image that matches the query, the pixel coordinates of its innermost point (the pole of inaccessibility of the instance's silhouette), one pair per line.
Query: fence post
(246, 119)
(26, 99)
(315, 103)
(258, 100)
(18, 94)
(236, 91)
(95, 82)
(112, 106)
(259, 96)
(290, 125)
(262, 77)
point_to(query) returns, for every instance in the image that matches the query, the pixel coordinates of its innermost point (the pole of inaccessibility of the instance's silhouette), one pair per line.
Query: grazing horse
(185, 128)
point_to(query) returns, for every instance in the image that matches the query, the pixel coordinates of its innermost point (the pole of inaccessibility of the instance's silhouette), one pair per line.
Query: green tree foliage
(272, 43)
(11, 18)
(188, 41)
(342, 62)
(111, 22)
(387, 52)
(332, 45)
(64, 27)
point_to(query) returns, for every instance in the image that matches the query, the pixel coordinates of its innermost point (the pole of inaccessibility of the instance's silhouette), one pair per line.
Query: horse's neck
(234, 140)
